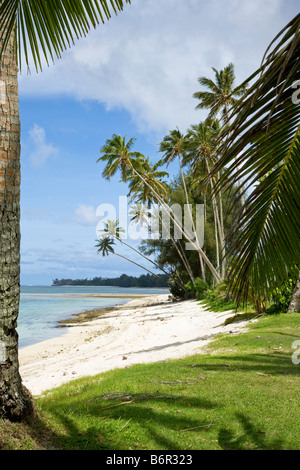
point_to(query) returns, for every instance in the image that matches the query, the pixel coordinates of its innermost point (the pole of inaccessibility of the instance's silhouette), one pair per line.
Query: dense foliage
(145, 280)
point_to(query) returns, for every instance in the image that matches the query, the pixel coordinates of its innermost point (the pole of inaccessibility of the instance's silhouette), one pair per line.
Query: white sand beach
(144, 330)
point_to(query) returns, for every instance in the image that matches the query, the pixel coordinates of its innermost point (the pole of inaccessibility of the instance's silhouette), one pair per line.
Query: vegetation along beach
(149, 227)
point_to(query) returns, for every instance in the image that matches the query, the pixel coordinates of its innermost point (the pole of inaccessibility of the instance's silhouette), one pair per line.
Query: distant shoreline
(144, 281)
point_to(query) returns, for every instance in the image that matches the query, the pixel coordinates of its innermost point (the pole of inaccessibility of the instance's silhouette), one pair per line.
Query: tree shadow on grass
(162, 419)
(252, 437)
(273, 364)
(159, 419)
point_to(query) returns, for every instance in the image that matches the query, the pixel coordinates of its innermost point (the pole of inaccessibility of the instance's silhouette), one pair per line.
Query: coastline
(89, 315)
(146, 329)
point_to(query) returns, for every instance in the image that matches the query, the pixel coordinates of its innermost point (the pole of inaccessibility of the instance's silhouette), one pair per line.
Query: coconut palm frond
(263, 150)
(105, 245)
(220, 95)
(51, 26)
(118, 157)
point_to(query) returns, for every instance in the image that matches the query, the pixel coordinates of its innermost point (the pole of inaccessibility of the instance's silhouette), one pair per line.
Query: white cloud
(42, 151)
(86, 215)
(147, 60)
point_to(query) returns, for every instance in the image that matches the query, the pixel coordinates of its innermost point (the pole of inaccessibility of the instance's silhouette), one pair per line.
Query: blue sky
(134, 75)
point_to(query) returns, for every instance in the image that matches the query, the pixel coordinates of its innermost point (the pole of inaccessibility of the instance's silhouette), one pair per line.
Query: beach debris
(113, 406)
(207, 426)
(179, 382)
(124, 358)
(131, 398)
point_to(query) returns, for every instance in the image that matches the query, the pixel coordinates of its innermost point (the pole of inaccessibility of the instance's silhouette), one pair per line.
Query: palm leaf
(51, 26)
(263, 148)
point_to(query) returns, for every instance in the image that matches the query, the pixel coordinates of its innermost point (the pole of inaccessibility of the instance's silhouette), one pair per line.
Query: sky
(133, 76)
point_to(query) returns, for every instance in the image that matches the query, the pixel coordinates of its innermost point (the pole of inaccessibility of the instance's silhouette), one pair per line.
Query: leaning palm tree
(263, 148)
(113, 230)
(105, 246)
(40, 30)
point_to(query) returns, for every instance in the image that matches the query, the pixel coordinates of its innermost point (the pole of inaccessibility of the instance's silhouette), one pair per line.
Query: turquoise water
(42, 307)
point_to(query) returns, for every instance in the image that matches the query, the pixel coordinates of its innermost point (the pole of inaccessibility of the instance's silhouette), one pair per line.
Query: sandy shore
(144, 330)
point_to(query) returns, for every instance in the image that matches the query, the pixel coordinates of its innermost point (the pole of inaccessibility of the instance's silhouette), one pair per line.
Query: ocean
(42, 307)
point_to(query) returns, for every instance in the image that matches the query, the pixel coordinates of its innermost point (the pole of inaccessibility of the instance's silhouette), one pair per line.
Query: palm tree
(105, 247)
(139, 213)
(44, 29)
(263, 147)
(221, 97)
(141, 192)
(113, 230)
(118, 156)
(222, 94)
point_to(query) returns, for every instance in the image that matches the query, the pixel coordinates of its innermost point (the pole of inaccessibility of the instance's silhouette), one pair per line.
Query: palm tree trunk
(191, 218)
(180, 251)
(241, 190)
(15, 401)
(217, 240)
(141, 254)
(224, 263)
(219, 224)
(140, 266)
(295, 301)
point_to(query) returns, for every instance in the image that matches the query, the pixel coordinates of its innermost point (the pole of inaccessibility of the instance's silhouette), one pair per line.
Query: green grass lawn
(241, 393)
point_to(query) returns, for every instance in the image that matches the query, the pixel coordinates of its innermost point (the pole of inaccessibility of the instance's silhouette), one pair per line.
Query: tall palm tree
(174, 146)
(222, 94)
(43, 29)
(263, 147)
(139, 213)
(118, 156)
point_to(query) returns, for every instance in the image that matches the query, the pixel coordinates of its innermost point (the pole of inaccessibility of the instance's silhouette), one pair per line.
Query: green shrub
(175, 288)
(197, 290)
(281, 297)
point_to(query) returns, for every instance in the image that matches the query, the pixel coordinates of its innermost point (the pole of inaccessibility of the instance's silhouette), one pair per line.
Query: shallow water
(42, 307)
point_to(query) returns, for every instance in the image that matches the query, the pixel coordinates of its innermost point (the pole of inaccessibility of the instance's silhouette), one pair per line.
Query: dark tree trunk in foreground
(295, 302)
(15, 401)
